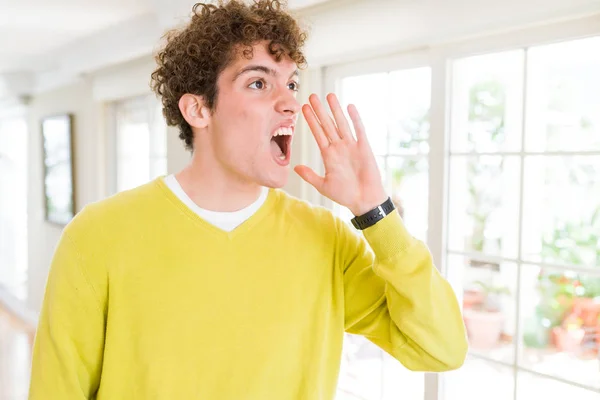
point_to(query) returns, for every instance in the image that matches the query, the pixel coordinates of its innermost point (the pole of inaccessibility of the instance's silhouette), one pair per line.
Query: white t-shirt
(226, 221)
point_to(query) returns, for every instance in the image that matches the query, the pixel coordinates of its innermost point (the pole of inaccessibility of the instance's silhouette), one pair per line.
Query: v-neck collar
(240, 230)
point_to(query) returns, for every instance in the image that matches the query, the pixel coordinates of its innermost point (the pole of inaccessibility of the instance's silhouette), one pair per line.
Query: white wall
(43, 236)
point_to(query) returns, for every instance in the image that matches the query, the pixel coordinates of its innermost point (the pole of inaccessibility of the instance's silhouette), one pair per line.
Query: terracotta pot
(588, 309)
(472, 298)
(484, 328)
(567, 340)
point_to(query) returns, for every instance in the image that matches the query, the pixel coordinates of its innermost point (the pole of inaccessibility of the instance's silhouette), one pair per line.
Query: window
(140, 142)
(394, 107)
(519, 131)
(13, 205)
(524, 221)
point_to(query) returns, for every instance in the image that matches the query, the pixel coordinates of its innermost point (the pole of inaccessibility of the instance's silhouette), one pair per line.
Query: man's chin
(278, 180)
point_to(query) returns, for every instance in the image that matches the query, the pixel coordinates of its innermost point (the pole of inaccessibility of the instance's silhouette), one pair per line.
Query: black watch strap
(375, 215)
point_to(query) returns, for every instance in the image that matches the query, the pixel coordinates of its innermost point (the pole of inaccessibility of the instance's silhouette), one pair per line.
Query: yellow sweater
(145, 300)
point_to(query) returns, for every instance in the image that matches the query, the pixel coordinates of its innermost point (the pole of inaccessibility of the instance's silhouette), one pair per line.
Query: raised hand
(352, 178)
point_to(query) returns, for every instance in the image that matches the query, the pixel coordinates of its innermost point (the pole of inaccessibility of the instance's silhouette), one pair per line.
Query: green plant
(569, 242)
(573, 243)
(555, 299)
(556, 293)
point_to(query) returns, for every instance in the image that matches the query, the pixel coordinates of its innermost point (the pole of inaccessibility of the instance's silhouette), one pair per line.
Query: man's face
(255, 116)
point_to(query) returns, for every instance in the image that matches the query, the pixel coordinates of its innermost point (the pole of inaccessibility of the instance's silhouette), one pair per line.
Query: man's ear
(194, 110)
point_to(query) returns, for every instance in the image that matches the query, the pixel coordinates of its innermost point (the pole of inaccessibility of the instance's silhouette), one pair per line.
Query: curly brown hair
(194, 56)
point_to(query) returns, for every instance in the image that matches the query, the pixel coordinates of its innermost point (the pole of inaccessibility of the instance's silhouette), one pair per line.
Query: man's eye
(294, 86)
(259, 84)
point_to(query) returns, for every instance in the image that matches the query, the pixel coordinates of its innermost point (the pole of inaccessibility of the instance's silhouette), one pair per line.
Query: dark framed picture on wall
(59, 174)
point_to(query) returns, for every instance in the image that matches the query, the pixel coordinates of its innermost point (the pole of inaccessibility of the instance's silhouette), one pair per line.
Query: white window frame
(439, 58)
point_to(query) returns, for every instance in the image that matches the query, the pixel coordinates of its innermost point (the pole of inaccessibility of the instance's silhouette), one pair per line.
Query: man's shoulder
(320, 223)
(309, 212)
(120, 209)
(292, 203)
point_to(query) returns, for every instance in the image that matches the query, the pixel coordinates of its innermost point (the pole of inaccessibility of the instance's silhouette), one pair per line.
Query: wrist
(373, 215)
(366, 206)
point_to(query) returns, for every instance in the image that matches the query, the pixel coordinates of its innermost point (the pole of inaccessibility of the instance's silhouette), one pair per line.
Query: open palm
(352, 178)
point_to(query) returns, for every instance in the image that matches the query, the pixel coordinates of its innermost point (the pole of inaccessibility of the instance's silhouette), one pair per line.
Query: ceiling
(42, 26)
(46, 42)
(34, 32)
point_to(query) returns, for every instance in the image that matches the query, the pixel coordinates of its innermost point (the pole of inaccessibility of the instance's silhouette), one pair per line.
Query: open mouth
(281, 143)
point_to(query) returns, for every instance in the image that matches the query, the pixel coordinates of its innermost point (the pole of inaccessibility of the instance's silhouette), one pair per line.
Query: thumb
(309, 176)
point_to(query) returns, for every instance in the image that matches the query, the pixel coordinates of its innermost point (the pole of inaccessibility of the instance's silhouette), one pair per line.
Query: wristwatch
(370, 218)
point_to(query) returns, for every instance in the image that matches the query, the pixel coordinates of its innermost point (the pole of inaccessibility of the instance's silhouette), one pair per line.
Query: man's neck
(211, 189)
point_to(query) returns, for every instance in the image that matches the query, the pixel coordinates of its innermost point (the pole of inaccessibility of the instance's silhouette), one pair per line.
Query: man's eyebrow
(262, 68)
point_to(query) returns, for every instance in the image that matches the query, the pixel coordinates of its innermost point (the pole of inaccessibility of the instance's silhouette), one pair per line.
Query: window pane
(479, 379)
(397, 102)
(141, 139)
(561, 324)
(531, 386)
(133, 140)
(487, 103)
(563, 108)
(488, 293)
(484, 204)
(133, 163)
(369, 93)
(408, 181)
(13, 206)
(562, 203)
(158, 166)
(132, 173)
(158, 133)
(409, 111)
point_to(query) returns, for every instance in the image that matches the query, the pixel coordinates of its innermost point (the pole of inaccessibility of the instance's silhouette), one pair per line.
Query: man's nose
(288, 104)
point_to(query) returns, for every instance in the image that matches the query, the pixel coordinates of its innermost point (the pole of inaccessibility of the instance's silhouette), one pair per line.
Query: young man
(215, 284)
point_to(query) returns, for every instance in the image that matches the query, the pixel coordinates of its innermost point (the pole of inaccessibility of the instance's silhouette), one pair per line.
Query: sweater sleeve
(396, 298)
(68, 346)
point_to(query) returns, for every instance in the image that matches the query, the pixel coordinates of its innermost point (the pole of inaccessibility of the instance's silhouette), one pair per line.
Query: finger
(326, 121)
(340, 118)
(310, 176)
(359, 128)
(315, 126)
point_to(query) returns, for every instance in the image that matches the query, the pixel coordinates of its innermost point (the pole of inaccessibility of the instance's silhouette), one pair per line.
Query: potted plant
(569, 303)
(484, 319)
(554, 296)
